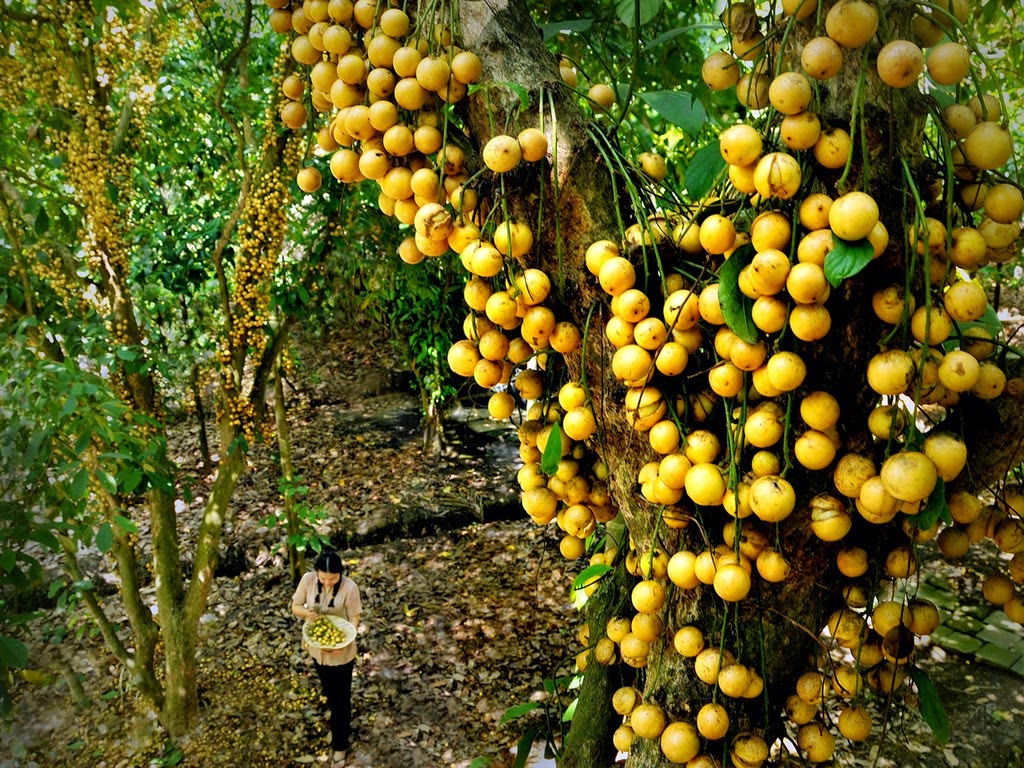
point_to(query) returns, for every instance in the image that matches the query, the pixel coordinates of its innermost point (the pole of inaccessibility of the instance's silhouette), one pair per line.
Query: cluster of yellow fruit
(379, 82)
(949, 356)
(680, 740)
(325, 633)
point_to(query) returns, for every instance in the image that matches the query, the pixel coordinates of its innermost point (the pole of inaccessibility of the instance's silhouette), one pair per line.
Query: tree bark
(284, 450)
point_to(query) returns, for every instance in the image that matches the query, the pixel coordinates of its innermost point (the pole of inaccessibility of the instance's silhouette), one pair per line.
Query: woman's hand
(311, 615)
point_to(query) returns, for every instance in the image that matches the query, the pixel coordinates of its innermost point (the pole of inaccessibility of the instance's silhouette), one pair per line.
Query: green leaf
(521, 92)
(847, 258)
(13, 652)
(518, 711)
(679, 108)
(931, 708)
(107, 481)
(42, 222)
(989, 321)
(552, 450)
(126, 525)
(104, 537)
(737, 307)
(570, 711)
(524, 747)
(703, 170)
(565, 27)
(129, 479)
(79, 485)
(588, 573)
(672, 33)
(935, 509)
(626, 11)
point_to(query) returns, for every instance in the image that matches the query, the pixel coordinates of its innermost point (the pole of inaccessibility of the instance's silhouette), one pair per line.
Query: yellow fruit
(709, 305)
(799, 8)
(851, 472)
(900, 63)
(991, 381)
(948, 63)
(632, 364)
(786, 371)
(752, 90)
(763, 429)
(1004, 203)
(815, 246)
(747, 356)
(930, 326)
(772, 498)
(720, 71)
(708, 663)
(790, 93)
(988, 146)
(891, 372)
(622, 738)
(874, 502)
(672, 358)
(909, 475)
(598, 253)
(713, 721)
(648, 596)
(748, 749)
(732, 583)
(821, 58)
(853, 215)
(680, 742)
(800, 131)
(832, 148)
(777, 175)
(681, 573)
(616, 275)
(740, 144)
(502, 153)
(682, 310)
(602, 95)
(851, 23)
(948, 452)
(717, 234)
(705, 484)
(800, 711)
(688, 641)
(648, 721)
(653, 165)
(625, 699)
(997, 588)
(466, 67)
(959, 371)
(772, 566)
(815, 740)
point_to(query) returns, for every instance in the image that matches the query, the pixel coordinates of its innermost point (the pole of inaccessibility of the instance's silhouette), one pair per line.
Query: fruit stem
(857, 115)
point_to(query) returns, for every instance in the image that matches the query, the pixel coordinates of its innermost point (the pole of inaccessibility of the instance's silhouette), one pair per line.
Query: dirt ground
(465, 615)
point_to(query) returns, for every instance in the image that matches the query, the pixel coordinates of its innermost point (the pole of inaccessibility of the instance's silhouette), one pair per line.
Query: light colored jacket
(347, 604)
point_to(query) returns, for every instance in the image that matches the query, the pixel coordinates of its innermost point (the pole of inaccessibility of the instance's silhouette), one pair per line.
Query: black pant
(336, 682)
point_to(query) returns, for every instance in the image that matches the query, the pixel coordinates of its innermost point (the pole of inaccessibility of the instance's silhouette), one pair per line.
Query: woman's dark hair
(329, 562)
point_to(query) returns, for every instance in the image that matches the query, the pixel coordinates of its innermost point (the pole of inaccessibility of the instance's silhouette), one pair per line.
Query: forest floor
(466, 613)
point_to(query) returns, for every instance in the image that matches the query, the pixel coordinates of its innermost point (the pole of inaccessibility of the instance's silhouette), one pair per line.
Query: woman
(327, 590)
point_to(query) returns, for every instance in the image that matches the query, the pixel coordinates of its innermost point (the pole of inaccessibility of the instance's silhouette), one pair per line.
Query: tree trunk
(284, 449)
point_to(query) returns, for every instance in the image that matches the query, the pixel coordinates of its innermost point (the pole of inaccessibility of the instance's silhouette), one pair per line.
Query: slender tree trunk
(284, 449)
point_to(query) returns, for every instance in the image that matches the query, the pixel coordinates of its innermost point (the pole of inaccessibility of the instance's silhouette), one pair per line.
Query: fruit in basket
(326, 633)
